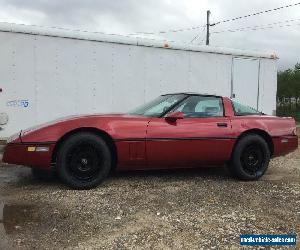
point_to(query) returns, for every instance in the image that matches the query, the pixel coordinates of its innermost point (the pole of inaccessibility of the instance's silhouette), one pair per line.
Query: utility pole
(207, 27)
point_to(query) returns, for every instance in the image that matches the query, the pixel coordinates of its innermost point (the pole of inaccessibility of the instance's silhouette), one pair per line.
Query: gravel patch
(181, 209)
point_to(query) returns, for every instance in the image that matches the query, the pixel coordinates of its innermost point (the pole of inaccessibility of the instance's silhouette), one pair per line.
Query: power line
(64, 29)
(213, 24)
(201, 41)
(258, 27)
(82, 31)
(168, 31)
(261, 27)
(255, 14)
(197, 36)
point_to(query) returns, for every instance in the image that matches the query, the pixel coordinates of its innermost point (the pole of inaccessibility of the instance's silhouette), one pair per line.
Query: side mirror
(174, 116)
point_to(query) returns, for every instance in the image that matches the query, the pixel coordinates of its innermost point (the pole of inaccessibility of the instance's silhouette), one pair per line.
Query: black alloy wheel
(250, 158)
(84, 160)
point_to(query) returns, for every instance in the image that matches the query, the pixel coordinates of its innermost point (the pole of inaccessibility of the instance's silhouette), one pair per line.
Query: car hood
(72, 118)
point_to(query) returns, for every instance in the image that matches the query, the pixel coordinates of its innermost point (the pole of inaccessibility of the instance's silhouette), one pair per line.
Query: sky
(151, 16)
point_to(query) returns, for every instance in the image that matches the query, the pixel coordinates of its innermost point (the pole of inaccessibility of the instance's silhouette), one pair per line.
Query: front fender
(25, 150)
(54, 132)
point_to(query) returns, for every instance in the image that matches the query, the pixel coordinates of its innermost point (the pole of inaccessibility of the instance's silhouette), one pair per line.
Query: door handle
(222, 125)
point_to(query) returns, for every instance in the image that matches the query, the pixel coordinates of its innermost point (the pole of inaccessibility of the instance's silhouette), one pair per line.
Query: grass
(298, 131)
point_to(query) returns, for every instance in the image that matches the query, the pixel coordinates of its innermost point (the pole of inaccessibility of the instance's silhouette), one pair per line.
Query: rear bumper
(21, 154)
(284, 145)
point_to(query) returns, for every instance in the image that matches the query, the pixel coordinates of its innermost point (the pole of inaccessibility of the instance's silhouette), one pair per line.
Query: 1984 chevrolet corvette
(174, 131)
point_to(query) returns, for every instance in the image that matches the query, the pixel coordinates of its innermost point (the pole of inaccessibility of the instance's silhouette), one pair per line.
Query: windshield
(240, 109)
(158, 106)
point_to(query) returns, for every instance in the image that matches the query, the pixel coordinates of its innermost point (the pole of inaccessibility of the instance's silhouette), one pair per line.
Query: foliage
(288, 92)
(285, 110)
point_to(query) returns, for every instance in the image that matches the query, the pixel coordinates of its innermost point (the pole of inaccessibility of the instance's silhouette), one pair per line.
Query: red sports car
(174, 131)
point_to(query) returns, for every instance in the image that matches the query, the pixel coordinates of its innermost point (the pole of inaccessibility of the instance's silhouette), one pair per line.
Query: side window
(162, 107)
(242, 110)
(201, 106)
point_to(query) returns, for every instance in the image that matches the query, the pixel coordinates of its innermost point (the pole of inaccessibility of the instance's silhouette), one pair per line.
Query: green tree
(288, 92)
(297, 83)
(285, 85)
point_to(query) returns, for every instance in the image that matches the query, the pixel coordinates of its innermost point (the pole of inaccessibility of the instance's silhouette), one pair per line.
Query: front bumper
(22, 154)
(284, 145)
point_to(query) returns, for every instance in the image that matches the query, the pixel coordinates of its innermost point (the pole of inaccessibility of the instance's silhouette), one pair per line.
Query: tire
(42, 174)
(250, 158)
(83, 161)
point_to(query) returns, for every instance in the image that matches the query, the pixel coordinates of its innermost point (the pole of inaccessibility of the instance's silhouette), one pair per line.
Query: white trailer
(46, 73)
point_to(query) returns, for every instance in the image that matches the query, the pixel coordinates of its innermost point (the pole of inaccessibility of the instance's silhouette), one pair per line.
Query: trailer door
(245, 81)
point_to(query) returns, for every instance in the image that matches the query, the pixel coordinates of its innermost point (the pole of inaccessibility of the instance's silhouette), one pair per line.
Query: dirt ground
(182, 209)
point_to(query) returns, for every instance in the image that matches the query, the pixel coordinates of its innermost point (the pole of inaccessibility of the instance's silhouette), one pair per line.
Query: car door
(203, 136)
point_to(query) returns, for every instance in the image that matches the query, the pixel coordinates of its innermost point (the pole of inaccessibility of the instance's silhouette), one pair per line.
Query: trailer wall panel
(44, 77)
